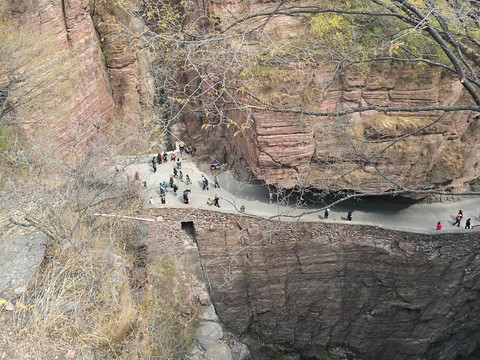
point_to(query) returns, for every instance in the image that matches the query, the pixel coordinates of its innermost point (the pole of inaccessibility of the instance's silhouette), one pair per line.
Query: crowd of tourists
(178, 179)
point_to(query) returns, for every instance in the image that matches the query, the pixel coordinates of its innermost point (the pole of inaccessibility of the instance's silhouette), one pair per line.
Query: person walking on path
(162, 189)
(439, 226)
(154, 164)
(162, 199)
(458, 219)
(179, 164)
(175, 188)
(159, 158)
(164, 185)
(215, 200)
(175, 172)
(204, 183)
(180, 175)
(185, 196)
(187, 180)
(171, 182)
(270, 197)
(349, 216)
(326, 213)
(467, 224)
(137, 175)
(217, 184)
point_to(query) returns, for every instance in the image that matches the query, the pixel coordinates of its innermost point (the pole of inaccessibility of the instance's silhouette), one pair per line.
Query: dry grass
(385, 126)
(84, 296)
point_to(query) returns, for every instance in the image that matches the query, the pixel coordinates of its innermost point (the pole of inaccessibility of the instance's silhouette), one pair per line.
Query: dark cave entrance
(189, 229)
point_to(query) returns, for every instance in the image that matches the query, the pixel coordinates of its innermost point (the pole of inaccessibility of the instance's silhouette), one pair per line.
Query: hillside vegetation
(94, 296)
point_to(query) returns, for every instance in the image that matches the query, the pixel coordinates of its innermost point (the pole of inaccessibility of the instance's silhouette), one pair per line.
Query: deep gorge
(304, 288)
(286, 288)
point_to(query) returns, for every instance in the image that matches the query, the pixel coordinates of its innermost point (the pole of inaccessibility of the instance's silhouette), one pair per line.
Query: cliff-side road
(254, 196)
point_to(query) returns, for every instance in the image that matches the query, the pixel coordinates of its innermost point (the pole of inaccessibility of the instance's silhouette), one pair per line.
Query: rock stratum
(346, 152)
(290, 288)
(113, 84)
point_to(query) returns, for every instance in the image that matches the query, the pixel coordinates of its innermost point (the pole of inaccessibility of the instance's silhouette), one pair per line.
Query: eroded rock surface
(85, 101)
(288, 288)
(20, 257)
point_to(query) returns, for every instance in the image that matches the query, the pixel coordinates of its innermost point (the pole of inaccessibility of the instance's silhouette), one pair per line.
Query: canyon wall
(109, 80)
(305, 288)
(311, 151)
(81, 95)
(289, 149)
(99, 80)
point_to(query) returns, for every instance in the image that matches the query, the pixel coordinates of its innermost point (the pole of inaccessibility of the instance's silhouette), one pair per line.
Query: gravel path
(255, 197)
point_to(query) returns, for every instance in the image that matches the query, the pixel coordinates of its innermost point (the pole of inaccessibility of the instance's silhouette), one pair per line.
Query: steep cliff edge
(85, 94)
(305, 288)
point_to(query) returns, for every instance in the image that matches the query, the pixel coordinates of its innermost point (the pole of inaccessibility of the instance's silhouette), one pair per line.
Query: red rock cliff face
(303, 288)
(87, 98)
(288, 149)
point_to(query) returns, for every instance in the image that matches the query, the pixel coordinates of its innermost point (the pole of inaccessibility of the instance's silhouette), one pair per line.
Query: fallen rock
(239, 351)
(208, 333)
(218, 351)
(19, 258)
(203, 298)
(209, 314)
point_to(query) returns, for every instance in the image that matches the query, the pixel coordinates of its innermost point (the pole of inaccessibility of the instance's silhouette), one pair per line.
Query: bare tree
(225, 66)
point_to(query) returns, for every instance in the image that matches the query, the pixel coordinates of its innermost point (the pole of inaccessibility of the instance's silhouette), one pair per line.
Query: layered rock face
(84, 101)
(304, 288)
(99, 77)
(289, 149)
(378, 294)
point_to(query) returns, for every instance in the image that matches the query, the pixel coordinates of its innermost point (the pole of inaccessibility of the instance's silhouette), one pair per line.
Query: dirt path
(255, 197)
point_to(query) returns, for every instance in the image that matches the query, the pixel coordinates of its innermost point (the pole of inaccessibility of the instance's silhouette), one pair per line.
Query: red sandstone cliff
(282, 149)
(86, 100)
(288, 149)
(290, 288)
(100, 80)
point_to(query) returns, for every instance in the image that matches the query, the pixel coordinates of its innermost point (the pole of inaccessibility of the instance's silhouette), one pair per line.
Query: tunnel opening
(189, 229)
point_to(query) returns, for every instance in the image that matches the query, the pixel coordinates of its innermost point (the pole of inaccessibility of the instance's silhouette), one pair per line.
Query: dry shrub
(74, 297)
(386, 126)
(83, 296)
